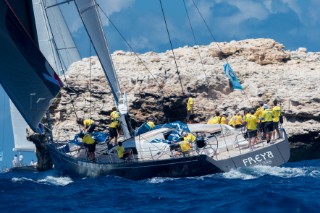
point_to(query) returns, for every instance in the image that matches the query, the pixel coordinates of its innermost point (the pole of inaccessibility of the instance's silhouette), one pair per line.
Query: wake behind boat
(220, 149)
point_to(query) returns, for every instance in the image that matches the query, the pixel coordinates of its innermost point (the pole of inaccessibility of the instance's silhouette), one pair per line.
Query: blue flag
(232, 77)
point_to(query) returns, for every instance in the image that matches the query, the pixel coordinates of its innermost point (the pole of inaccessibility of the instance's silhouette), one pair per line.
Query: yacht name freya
(258, 159)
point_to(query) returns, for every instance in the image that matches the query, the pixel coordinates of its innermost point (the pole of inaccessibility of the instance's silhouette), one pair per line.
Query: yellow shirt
(114, 119)
(185, 146)
(276, 113)
(190, 104)
(88, 139)
(258, 113)
(238, 120)
(151, 124)
(87, 122)
(223, 120)
(267, 115)
(190, 138)
(251, 121)
(120, 151)
(214, 120)
(232, 121)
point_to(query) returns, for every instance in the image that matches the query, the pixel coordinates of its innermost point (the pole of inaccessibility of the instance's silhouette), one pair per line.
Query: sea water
(294, 187)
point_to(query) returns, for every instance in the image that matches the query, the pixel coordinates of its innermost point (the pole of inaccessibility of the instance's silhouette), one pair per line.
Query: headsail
(91, 20)
(25, 74)
(55, 40)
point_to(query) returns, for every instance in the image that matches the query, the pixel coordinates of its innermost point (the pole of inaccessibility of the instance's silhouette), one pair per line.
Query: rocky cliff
(156, 87)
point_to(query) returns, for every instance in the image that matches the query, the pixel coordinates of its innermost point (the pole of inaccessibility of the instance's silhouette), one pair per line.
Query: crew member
(151, 123)
(88, 126)
(190, 105)
(113, 127)
(267, 117)
(236, 120)
(122, 153)
(260, 125)
(90, 145)
(276, 110)
(215, 120)
(185, 146)
(251, 125)
(224, 119)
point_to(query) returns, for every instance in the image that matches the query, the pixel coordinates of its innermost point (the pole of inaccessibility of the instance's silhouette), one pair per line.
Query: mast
(88, 11)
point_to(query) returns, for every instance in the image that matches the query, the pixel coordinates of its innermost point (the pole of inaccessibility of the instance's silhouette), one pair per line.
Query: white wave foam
(17, 180)
(315, 173)
(284, 172)
(160, 180)
(237, 174)
(59, 181)
(258, 171)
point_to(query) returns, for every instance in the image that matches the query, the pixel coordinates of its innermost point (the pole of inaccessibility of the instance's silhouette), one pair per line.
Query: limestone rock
(155, 87)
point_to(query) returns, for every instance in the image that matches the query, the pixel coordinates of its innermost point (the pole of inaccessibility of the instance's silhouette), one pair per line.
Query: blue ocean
(294, 187)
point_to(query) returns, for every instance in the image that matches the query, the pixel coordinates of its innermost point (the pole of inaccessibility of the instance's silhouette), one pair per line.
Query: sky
(294, 23)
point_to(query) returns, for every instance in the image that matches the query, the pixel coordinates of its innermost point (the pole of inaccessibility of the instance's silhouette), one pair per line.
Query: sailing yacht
(33, 84)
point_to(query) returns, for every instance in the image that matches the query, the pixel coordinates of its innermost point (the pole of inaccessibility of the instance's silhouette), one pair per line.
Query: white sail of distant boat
(19, 126)
(58, 48)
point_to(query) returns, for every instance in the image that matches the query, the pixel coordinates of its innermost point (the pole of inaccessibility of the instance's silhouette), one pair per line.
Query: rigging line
(215, 40)
(207, 25)
(63, 40)
(195, 40)
(48, 28)
(63, 73)
(127, 43)
(174, 57)
(90, 66)
(246, 95)
(3, 126)
(60, 3)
